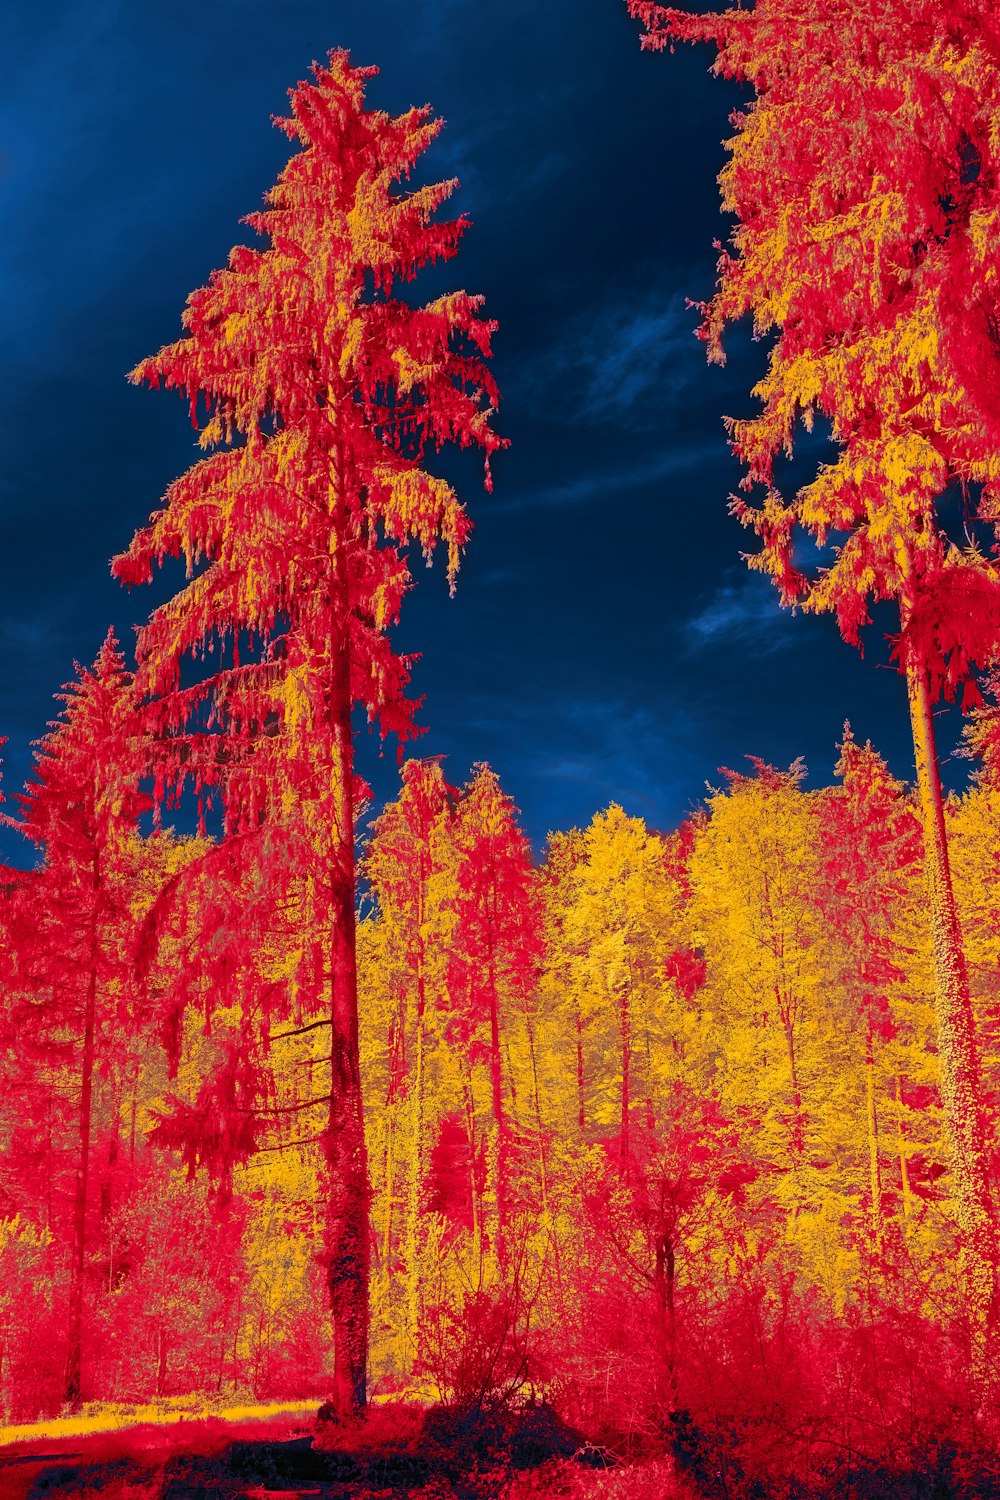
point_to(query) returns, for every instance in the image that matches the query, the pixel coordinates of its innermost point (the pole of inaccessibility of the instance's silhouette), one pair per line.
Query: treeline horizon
(693, 1075)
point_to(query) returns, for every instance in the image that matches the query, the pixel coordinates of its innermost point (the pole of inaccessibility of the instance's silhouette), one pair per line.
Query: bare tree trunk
(133, 1111)
(664, 1281)
(477, 1202)
(395, 1051)
(650, 1109)
(904, 1171)
(539, 1128)
(114, 1148)
(74, 1355)
(236, 1341)
(497, 1148)
(347, 1248)
(798, 1133)
(388, 1186)
(542, 1163)
(961, 1092)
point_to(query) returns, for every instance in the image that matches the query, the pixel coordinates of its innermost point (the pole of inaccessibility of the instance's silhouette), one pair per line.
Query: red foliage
(498, 936)
(871, 842)
(72, 961)
(687, 968)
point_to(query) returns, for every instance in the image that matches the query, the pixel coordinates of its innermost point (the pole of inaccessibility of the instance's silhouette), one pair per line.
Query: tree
(619, 927)
(495, 958)
(870, 840)
(74, 919)
(563, 853)
(681, 1175)
(864, 181)
(408, 865)
(754, 872)
(325, 390)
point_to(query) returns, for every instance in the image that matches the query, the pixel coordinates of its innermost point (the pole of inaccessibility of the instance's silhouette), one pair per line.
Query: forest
(650, 1162)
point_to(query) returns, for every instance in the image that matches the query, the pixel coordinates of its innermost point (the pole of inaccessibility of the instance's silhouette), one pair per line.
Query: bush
(477, 1350)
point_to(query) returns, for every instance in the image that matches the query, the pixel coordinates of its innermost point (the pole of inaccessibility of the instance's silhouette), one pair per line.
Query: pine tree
(494, 960)
(73, 915)
(324, 390)
(864, 182)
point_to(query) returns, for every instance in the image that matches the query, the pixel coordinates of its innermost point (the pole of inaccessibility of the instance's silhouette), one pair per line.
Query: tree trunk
(904, 1171)
(664, 1277)
(650, 1108)
(547, 1217)
(474, 1179)
(798, 1132)
(539, 1128)
(415, 1184)
(74, 1355)
(497, 1152)
(133, 1111)
(388, 1176)
(111, 1162)
(346, 1248)
(874, 1171)
(581, 1097)
(961, 1094)
(625, 1017)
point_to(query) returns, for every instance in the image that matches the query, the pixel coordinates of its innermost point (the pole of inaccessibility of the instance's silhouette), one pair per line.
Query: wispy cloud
(624, 363)
(586, 751)
(608, 483)
(746, 609)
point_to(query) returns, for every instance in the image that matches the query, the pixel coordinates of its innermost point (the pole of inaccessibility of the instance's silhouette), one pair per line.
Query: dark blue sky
(606, 643)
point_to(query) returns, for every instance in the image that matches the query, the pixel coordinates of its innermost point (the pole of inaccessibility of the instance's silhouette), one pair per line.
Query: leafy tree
(563, 852)
(409, 865)
(754, 872)
(619, 927)
(324, 390)
(863, 178)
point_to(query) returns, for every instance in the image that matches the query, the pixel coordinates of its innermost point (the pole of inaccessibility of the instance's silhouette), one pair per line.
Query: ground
(280, 1451)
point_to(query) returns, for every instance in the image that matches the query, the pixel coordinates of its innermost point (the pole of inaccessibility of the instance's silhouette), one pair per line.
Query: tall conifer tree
(323, 391)
(73, 916)
(865, 181)
(495, 957)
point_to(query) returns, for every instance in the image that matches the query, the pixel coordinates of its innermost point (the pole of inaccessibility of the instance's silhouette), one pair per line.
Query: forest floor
(281, 1452)
(407, 1451)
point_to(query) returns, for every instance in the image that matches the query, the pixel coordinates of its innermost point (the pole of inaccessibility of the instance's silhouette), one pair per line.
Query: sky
(607, 641)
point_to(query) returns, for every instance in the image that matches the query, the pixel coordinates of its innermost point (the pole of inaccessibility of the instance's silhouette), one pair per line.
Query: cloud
(607, 483)
(749, 609)
(625, 363)
(565, 761)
